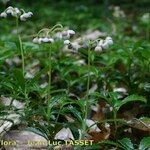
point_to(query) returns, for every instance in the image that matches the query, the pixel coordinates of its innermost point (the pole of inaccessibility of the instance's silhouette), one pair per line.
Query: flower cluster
(103, 44)
(43, 40)
(25, 16)
(50, 38)
(16, 12)
(98, 45)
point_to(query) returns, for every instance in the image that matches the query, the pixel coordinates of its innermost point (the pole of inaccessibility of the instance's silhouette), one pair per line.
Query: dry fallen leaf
(64, 134)
(103, 135)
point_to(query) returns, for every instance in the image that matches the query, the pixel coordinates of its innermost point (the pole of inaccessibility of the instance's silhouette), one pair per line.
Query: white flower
(105, 45)
(108, 38)
(71, 32)
(36, 40)
(75, 46)
(43, 40)
(67, 42)
(110, 42)
(67, 34)
(22, 18)
(100, 43)
(98, 49)
(17, 11)
(64, 33)
(10, 11)
(58, 35)
(51, 40)
(3, 15)
(25, 16)
(40, 40)
(10, 7)
(30, 14)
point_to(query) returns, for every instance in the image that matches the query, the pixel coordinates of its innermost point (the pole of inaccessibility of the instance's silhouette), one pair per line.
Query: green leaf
(131, 98)
(108, 142)
(36, 131)
(145, 143)
(19, 78)
(126, 144)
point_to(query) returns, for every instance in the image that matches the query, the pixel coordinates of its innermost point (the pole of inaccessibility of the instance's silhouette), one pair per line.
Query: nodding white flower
(71, 32)
(3, 15)
(75, 46)
(43, 40)
(98, 49)
(40, 40)
(18, 12)
(108, 38)
(58, 35)
(47, 40)
(10, 7)
(100, 43)
(30, 14)
(25, 16)
(64, 33)
(67, 42)
(105, 45)
(110, 42)
(22, 18)
(51, 40)
(9, 11)
(36, 40)
(67, 34)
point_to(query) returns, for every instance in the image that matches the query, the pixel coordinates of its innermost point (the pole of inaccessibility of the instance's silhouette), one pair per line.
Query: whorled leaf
(145, 143)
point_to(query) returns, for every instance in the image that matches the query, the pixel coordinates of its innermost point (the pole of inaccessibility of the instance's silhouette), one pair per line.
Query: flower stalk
(22, 54)
(49, 82)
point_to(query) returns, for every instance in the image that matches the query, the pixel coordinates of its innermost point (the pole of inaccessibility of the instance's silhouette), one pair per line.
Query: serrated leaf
(126, 143)
(131, 98)
(145, 143)
(108, 142)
